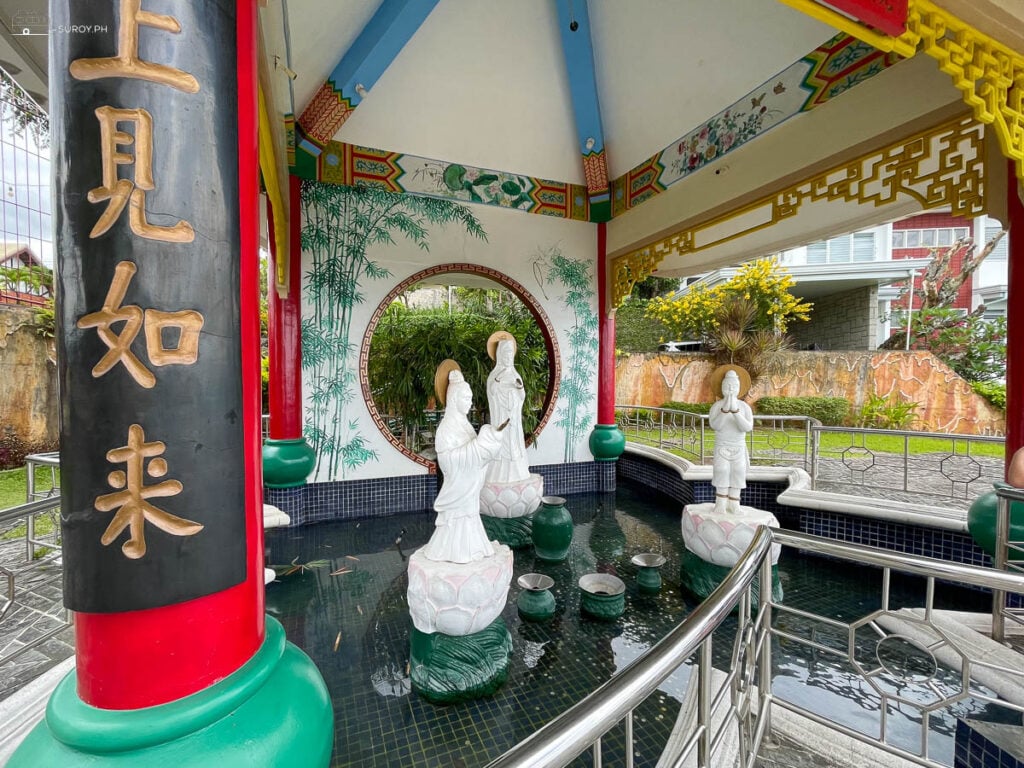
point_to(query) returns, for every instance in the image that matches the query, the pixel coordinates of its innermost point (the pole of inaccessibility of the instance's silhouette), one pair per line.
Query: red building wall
(933, 221)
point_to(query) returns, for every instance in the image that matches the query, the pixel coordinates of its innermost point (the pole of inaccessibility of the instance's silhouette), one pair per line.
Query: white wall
(519, 245)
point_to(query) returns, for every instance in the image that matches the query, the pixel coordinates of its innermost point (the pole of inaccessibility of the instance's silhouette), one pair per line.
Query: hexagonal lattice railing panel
(858, 458)
(904, 669)
(960, 469)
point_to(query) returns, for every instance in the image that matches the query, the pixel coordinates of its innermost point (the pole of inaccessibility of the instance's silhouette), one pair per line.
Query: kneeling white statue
(463, 456)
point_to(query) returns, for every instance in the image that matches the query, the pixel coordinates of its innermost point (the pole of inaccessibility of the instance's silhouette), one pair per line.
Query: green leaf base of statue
(515, 532)
(275, 710)
(981, 522)
(700, 578)
(447, 669)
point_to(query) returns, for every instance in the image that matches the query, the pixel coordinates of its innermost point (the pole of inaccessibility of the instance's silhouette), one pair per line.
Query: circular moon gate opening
(405, 341)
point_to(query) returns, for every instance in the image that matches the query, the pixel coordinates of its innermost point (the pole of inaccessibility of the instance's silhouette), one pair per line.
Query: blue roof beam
(383, 37)
(574, 26)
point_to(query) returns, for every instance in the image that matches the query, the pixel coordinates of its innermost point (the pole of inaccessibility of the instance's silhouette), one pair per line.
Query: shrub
(691, 407)
(831, 411)
(880, 413)
(992, 391)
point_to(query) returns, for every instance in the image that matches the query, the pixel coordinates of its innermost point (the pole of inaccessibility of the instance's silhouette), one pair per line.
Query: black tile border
(381, 497)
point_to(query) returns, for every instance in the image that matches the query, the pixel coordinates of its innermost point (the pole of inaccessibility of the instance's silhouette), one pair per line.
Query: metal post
(764, 682)
(906, 462)
(998, 595)
(629, 739)
(704, 705)
(815, 444)
(910, 305)
(30, 520)
(598, 761)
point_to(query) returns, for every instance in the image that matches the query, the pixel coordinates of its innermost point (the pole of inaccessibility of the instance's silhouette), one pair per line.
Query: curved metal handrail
(565, 737)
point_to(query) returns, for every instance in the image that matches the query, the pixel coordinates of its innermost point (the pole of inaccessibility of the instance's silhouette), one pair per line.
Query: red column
(1014, 317)
(606, 336)
(285, 331)
(143, 658)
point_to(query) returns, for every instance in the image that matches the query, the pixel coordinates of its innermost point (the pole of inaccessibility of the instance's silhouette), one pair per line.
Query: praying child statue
(732, 419)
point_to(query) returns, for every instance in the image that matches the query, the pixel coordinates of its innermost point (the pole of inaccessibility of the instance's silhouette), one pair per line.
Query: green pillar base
(447, 669)
(514, 532)
(981, 522)
(274, 711)
(607, 442)
(700, 578)
(287, 463)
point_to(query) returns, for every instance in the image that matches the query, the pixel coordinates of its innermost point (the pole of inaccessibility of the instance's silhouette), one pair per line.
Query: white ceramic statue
(505, 398)
(732, 419)
(462, 456)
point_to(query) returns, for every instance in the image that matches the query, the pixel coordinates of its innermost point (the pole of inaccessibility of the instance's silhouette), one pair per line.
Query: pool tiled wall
(988, 745)
(380, 497)
(900, 537)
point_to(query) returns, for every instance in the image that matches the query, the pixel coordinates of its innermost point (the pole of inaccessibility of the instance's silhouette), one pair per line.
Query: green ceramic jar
(536, 603)
(552, 530)
(602, 596)
(648, 575)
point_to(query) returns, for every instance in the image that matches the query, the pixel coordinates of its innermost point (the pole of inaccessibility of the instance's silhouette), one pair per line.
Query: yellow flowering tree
(742, 321)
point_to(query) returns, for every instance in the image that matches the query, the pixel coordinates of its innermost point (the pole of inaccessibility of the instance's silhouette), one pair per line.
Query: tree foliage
(20, 111)
(742, 321)
(408, 344)
(973, 346)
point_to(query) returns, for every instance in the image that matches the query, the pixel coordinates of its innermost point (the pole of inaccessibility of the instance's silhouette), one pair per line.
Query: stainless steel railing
(582, 726)
(11, 572)
(1009, 556)
(777, 440)
(947, 468)
(51, 460)
(745, 707)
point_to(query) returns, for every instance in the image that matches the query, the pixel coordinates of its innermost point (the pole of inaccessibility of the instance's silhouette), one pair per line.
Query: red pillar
(143, 658)
(285, 332)
(606, 335)
(1014, 317)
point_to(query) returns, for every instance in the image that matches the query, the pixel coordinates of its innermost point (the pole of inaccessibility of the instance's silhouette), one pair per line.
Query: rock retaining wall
(947, 402)
(28, 388)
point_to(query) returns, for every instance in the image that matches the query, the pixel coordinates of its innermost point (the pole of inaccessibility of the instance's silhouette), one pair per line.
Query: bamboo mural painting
(340, 227)
(576, 395)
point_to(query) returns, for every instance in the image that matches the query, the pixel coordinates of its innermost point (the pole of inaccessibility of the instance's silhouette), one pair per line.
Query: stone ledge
(800, 494)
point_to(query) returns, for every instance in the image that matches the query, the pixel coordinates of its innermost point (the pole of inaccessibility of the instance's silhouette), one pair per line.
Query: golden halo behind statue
(441, 378)
(492, 342)
(719, 373)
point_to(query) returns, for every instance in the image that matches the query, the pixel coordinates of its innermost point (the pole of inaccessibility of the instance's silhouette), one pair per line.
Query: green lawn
(12, 492)
(832, 444)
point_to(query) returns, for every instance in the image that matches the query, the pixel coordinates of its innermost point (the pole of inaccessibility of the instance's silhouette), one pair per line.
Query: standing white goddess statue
(462, 455)
(732, 419)
(505, 398)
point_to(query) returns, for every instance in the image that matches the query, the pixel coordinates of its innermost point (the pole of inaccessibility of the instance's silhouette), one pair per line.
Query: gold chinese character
(127, 62)
(132, 508)
(119, 343)
(188, 322)
(121, 192)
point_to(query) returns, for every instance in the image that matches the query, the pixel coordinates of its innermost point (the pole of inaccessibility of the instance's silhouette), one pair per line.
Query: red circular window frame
(535, 309)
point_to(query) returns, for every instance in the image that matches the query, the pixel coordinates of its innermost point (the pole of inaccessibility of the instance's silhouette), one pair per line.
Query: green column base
(700, 578)
(515, 532)
(981, 522)
(446, 669)
(287, 463)
(607, 442)
(274, 711)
